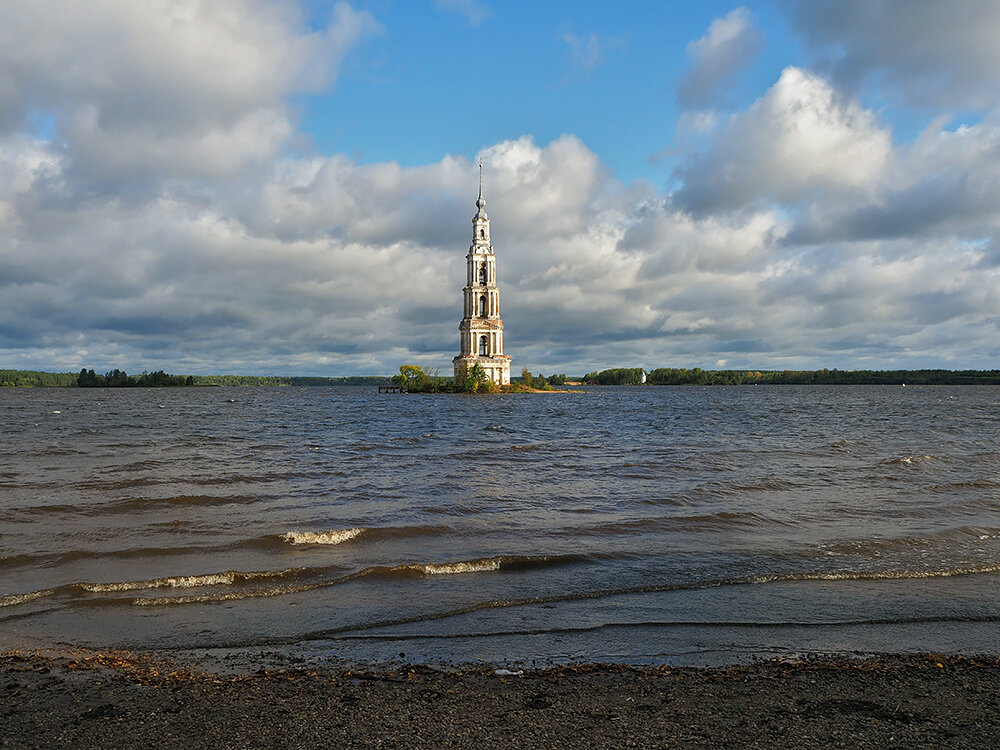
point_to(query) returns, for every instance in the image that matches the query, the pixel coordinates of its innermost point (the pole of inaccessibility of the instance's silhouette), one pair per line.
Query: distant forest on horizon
(613, 376)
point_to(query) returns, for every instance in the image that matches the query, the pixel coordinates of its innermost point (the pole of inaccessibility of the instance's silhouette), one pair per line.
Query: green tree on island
(412, 378)
(537, 382)
(475, 380)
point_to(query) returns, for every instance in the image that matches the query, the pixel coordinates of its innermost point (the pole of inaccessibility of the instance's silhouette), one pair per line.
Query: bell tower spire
(481, 330)
(481, 221)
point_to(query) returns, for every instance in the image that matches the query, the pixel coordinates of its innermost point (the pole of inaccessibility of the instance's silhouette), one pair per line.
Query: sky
(287, 187)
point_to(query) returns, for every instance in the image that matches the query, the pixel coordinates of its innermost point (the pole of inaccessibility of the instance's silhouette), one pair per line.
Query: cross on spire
(481, 202)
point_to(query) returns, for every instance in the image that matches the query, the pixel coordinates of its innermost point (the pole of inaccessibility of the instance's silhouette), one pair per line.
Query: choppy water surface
(685, 525)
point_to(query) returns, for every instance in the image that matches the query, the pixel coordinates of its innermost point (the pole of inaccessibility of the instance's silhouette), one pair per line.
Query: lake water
(643, 525)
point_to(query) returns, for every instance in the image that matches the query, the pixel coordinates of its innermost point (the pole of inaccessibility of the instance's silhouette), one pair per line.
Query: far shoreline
(612, 377)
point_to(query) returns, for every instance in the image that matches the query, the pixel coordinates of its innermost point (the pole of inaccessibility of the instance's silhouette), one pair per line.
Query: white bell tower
(481, 329)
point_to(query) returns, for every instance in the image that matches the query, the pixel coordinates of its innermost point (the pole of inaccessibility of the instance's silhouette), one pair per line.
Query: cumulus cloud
(592, 273)
(326, 266)
(325, 259)
(798, 234)
(931, 53)
(947, 183)
(797, 139)
(728, 47)
(181, 284)
(165, 88)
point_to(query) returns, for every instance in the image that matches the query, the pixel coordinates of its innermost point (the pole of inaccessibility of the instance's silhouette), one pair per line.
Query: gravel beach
(119, 699)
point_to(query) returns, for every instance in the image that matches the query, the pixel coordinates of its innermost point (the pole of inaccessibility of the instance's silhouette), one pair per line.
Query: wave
(473, 566)
(410, 570)
(909, 460)
(874, 575)
(12, 600)
(226, 578)
(477, 565)
(338, 536)
(493, 564)
(234, 577)
(334, 536)
(227, 597)
(296, 580)
(961, 535)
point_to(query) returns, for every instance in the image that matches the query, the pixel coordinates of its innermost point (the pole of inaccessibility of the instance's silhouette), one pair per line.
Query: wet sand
(117, 700)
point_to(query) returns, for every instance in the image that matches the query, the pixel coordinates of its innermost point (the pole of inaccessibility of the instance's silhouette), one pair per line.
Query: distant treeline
(616, 376)
(247, 380)
(32, 379)
(697, 376)
(121, 379)
(160, 379)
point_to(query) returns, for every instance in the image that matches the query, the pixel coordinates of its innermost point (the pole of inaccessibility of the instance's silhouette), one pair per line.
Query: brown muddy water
(640, 525)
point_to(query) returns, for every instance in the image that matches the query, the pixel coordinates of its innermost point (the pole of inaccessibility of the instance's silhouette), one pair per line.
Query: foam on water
(226, 578)
(334, 536)
(472, 566)
(226, 597)
(15, 599)
(402, 572)
(875, 575)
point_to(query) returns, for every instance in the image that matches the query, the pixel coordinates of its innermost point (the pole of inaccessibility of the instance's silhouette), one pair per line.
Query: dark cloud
(946, 184)
(728, 47)
(932, 54)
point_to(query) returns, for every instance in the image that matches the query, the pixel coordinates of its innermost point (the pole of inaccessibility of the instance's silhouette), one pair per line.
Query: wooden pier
(391, 389)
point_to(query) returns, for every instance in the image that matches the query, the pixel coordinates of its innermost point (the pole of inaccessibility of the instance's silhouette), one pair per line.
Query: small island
(413, 379)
